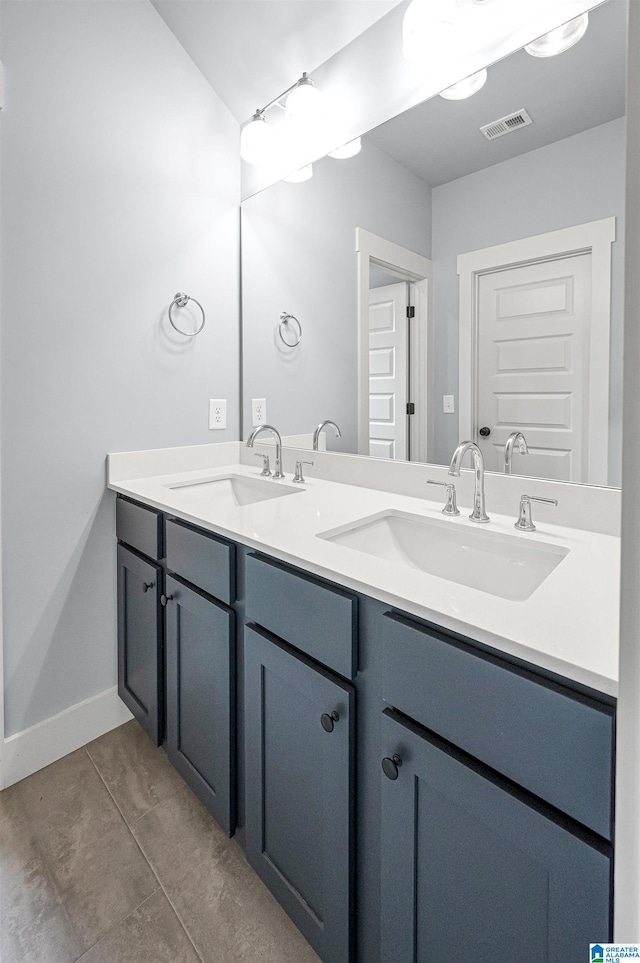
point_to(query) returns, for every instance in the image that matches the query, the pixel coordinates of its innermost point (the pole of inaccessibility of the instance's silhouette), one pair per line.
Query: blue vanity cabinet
(475, 869)
(200, 626)
(299, 796)
(140, 622)
(200, 664)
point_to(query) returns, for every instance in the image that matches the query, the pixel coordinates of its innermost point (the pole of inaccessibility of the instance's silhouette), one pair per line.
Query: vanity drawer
(201, 558)
(140, 527)
(310, 615)
(552, 741)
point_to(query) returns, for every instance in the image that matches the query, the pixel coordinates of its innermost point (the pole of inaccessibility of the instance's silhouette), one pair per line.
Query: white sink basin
(507, 566)
(229, 490)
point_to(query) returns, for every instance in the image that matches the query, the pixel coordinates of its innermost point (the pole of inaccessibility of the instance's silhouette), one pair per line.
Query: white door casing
(388, 371)
(533, 365)
(419, 270)
(595, 239)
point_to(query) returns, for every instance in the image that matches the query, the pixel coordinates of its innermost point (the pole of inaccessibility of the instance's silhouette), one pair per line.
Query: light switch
(448, 404)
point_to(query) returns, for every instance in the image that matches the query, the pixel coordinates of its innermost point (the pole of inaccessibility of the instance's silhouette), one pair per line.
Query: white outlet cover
(448, 404)
(258, 411)
(217, 414)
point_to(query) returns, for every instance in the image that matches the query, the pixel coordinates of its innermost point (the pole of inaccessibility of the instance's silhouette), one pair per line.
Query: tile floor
(107, 857)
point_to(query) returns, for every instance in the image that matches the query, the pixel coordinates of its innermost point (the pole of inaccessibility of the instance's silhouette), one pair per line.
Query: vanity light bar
(506, 125)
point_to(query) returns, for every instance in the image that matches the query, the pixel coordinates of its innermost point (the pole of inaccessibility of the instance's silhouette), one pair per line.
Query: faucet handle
(266, 467)
(524, 523)
(451, 508)
(299, 477)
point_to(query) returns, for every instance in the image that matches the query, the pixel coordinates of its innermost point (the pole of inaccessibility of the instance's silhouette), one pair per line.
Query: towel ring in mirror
(181, 300)
(285, 320)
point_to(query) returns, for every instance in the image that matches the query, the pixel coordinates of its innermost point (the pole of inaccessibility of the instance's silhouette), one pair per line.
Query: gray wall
(298, 255)
(120, 186)
(573, 181)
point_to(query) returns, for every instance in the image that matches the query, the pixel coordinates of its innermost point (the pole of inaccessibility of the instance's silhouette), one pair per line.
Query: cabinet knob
(327, 720)
(391, 765)
(165, 599)
(147, 585)
(485, 432)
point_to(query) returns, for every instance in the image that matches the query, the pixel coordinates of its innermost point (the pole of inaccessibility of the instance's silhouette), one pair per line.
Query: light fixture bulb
(562, 38)
(304, 103)
(428, 28)
(467, 87)
(347, 150)
(299, 177)
(257, 140)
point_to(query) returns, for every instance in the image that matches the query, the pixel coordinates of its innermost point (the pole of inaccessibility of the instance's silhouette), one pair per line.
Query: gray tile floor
(107, 857)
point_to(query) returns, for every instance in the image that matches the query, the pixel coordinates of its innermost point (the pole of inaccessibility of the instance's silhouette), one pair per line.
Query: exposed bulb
(562, 38)
(465, 88)
(257, 141)
(347, 150)
(298, 177)
(304, 103)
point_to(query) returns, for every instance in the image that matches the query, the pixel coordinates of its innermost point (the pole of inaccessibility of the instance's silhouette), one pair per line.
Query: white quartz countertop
(569, 625)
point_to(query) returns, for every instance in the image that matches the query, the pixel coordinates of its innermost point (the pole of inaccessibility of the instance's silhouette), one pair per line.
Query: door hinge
(411, 312)
(411, 408)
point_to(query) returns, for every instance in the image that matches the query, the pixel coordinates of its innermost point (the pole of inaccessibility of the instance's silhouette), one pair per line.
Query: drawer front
(315, 618)
(140, 527)
(202, 559)
(552, 742)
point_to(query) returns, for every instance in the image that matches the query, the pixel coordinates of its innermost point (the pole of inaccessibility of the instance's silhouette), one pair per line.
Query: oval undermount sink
(507, 566)
(229, 491)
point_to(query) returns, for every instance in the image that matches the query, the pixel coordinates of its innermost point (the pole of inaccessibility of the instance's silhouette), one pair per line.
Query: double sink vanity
(406, 720)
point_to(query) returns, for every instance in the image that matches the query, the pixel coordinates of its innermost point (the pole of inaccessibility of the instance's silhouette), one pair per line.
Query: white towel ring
(286, 319)
(181, 300)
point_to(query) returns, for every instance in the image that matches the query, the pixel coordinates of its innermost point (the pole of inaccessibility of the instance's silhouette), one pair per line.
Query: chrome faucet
(321, 426)
(278, 473)
(478, 514)
(515, 438)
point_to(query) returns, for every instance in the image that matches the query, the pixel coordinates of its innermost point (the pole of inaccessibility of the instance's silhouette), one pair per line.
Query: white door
(388, 369)
(533, 365)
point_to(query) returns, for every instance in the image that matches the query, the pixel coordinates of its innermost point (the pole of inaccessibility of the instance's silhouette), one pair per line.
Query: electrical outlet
(448, 404)
(258, 411)
(217, 413)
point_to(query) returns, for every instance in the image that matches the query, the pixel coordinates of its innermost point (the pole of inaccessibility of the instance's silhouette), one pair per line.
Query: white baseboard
(38, 746)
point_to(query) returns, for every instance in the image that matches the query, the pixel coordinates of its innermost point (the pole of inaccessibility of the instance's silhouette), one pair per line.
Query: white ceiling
(440, 141)
(251, 50)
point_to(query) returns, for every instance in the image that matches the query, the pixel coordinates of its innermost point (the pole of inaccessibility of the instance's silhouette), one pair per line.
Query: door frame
(594, 238)
(419, 270)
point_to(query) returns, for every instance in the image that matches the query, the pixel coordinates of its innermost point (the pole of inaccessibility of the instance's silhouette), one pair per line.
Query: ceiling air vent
(498, 128)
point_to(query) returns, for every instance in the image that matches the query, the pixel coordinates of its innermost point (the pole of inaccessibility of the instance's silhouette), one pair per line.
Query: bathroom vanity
(408, 790)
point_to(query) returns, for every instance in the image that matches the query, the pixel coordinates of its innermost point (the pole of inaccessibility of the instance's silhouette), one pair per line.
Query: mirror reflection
(460, 277)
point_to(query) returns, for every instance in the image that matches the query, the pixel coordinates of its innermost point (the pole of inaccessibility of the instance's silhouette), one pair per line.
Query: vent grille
(514, 121)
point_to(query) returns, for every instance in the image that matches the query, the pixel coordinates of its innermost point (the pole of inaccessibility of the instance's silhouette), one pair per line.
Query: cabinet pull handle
(327, 720)
(147, 585)
(165, 599)
(391, 765)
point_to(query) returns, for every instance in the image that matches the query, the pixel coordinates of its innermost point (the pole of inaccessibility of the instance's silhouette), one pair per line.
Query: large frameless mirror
(460, 277)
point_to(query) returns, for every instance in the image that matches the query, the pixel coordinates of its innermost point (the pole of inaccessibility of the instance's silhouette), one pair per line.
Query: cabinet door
(299, 795)
(472, 871)
(140, 678)
(200, 636)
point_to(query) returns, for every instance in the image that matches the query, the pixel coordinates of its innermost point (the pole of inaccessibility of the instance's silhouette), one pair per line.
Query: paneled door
(534, 328)
(299, 745)
(473, 869)
(201, 697)
(388, 371)
(140, 640)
